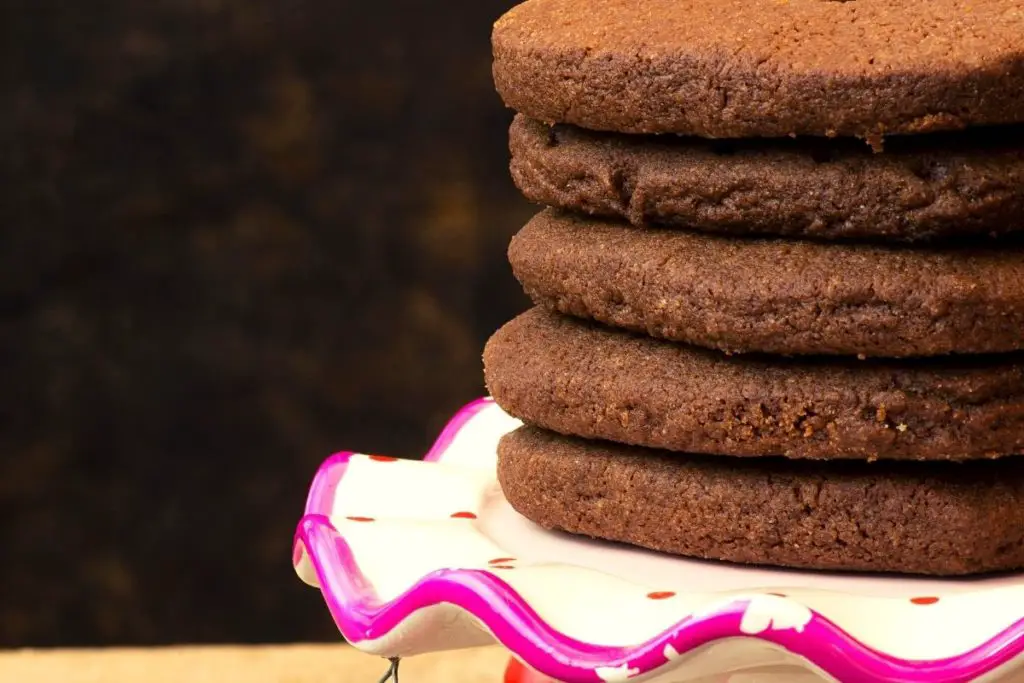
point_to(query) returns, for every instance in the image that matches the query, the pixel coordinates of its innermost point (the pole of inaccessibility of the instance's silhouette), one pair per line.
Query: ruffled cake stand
(422, 556)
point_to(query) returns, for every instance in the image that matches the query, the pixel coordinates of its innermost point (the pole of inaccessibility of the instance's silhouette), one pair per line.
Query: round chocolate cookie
(924, 187)
(750, 68)
(944, 519)
(774, 295)
(582, 379)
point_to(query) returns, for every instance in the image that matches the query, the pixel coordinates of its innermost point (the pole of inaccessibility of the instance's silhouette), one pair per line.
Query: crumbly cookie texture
(947, 519)
(583, 379)
(925, 188)
(752, 68)
(775, 295)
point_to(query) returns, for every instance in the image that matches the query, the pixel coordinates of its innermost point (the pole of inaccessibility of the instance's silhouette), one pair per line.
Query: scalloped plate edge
(488, 602)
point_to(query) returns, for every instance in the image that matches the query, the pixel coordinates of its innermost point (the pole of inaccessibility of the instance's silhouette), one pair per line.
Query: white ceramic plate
(420, 556)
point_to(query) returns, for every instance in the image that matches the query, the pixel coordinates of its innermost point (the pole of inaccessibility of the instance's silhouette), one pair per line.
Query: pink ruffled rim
(360, 615)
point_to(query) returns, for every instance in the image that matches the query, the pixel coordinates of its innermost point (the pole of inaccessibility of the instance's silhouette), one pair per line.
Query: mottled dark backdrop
(236, 236)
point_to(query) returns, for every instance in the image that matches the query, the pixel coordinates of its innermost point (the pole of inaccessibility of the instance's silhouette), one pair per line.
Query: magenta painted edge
(454, 426)
(360, 615)
(320, 499)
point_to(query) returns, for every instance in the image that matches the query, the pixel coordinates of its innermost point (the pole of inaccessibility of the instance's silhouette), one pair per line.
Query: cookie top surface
(774, 295)
(587, 380)
(925, 188)
(749, 68)
(947, 518)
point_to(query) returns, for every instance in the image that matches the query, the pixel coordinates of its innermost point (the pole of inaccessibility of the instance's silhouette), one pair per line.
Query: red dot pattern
(463, 515)
(383, 458)
(517, 673)
(924, 600)
(661, 595)
(361, 519)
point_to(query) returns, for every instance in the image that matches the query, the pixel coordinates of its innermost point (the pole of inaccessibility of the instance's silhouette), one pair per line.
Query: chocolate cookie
(944, 519)
(923, 187)
(775, 295)
(749, 68)
(583, 379)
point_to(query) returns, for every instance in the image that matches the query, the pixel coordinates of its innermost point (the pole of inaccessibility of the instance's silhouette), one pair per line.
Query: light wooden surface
(266, 664)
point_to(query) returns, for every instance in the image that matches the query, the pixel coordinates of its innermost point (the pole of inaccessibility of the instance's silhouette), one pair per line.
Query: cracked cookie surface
(924, 188)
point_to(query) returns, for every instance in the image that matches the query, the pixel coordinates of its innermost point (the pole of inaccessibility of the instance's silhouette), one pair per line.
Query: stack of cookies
(779, 279)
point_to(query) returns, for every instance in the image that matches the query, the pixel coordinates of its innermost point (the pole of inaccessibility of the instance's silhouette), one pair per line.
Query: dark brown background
(237, 235)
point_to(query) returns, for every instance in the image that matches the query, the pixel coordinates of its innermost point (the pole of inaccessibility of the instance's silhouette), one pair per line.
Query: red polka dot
(383, 458)
(926, 600)
(463, 515)
(517, 673)
(661, 595)
(361, 519)
(502, 566)
(502, 560)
